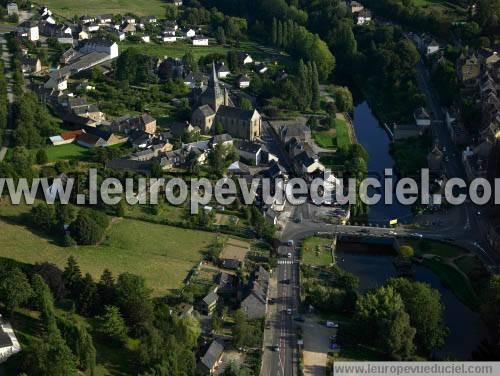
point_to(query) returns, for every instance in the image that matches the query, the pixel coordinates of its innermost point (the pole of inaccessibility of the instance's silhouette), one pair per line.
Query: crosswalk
(286, 262)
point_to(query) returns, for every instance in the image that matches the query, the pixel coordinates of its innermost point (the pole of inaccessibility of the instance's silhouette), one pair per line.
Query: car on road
(393, 233)
(299, 318)
(276, 348)
(270, 301)
(289, 255)
(288, 311)
(332, 324)
(290, 243)
(416, 235)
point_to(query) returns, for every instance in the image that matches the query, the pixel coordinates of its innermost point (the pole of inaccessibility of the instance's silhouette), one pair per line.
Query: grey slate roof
(235, 113)
(213, 354)
(206, 110)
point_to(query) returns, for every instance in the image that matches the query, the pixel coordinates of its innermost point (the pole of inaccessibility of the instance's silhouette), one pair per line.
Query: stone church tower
(214, 96)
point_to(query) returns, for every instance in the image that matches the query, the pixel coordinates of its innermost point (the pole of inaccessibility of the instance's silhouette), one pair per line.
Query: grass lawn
(310, 254)
(335, 137)
(67, 152)
(167, 212)
(68, 8)
(161, 254)
(468, 264)
(177, 49)
(454, 281)
(435, 248)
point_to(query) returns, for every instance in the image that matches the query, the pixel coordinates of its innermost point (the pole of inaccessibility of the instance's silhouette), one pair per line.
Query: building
(261, 68)
(255, 302)
(56, 82)
(100, 45)
(12, 9)
(243, 81)
(356, 7)
(468, 70)
(9, 345)
(88, 140)
(144, 123)
(223, 71)
(435, 160)
(28, 30)
(215, 106)
(364, 17)
(250, 151)
(208, 304)
(31, 64)
(432, 47)
(210, 361)
(189, 33)
(422, 118)
(200, 40)
(403, 131)
(245, 58)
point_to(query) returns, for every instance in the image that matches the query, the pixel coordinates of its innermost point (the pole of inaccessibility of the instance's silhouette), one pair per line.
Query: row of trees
(402, 320)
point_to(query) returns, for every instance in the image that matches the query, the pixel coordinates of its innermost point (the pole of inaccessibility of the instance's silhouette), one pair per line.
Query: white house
(59, 83)
(49, 19)
(28, 30)
(243, 81)
(169, 31)
(261, 68)
(12, 9)
(189, 33)
(223, 71)
(100, 45)
(91, 27)
(167, 38)
(200, 40)
(432, 47)
(105, 19)
(245, 58)
(9, 345)
(364, 17)
(44, 11)
(83, 35)
(422, 118)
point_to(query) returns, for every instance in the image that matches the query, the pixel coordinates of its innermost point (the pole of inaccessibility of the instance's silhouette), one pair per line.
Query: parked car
(276, 348)
(332, 324)
(289, 255)
(289, 311)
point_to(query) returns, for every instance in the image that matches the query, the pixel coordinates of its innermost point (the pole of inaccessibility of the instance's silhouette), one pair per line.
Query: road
(474, 225)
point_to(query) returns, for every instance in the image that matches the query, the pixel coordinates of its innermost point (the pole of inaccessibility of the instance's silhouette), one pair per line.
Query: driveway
(316, 346)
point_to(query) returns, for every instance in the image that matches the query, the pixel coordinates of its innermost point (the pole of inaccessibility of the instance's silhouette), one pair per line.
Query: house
(128, 19)
(91, 27)
(43, 11)
(422, 118)
(144, 123)
(9, 345)
(243, 81)
(221, 139)
(184, 310)
(177, 3)
(404, 131)
(80, 107)
(104, 19)
(165, 38)
(83, 35)
(250, 151)
(56, 82)
(88, 140)
(200, 40)
(29, 30)
(271, 216)
(189, 33)
(170, 68)
(213, 356)
(245, 58)
(125, 164)
(208, 304)
(146, 39)
(128, 28)
(364, 17)
(261, 68)
(223, 71)
(238, 169)
(275, 171)
(432, 47)
(86, 19)
(255, 302)
(12, 9)
(48, 18)
(100, 45)
(300, 132)
(435, 160)
(195, 79)
(468, 70)
(226, 284)
(31, 64)
(150, 20)
(356, 7)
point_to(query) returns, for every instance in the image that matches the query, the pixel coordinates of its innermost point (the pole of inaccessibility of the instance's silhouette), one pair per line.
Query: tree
(87, 298)
(45, 303)
(406, 251)
(425, 308)
(111, 324)
(53, 277)
(41, 157)
(51, 356)
(315, 88)
(220, 35)
(89, 227)
(382, 321)
(156, 170)
(190, 62)
(72, 276)
(134, 299)
(343, 99)
(244, 333)
(15, 289)
(43, 216)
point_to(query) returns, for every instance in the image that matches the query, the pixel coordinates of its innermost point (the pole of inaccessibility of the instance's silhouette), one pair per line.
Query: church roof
(213, 88)
(235, 113)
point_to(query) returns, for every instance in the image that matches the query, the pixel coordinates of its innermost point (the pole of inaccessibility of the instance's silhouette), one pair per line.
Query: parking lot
(316, 346)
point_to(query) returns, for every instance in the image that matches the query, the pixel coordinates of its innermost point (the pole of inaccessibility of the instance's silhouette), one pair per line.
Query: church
(215, 106)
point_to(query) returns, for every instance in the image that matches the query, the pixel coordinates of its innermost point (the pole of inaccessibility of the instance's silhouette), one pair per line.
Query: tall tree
(15, 289)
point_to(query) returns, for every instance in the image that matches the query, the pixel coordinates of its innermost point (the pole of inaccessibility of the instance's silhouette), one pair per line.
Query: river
(376, 142)
(373, 270)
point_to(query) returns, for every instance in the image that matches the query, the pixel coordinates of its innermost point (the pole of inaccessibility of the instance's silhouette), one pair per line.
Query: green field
(161, 254)
(67, 152)
(68, 8)
(179, 49)
(314, 251)
(335, 137)
(435, 248)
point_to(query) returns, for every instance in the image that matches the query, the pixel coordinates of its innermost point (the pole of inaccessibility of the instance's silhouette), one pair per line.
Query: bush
(407, 251)
(89, 227)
